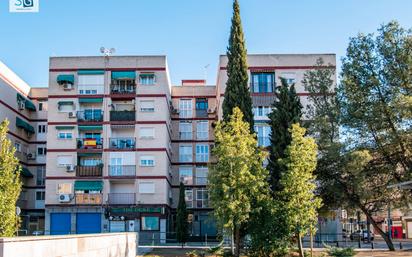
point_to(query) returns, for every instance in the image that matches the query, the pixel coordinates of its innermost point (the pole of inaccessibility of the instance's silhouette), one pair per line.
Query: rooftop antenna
(205, 70)
(107, 51)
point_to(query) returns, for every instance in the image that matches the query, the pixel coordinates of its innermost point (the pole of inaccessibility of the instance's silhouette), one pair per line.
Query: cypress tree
(181, 217)
(287, 110)
(237, 90)
(10, 184)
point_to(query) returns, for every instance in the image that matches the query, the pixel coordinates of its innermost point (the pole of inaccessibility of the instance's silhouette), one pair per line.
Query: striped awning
(88, 185)
(90, 72)
(124, 74)
(65, 78)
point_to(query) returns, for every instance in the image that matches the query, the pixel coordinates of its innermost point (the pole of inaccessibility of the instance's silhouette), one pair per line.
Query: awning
(123, 75)
(95, 127)
(90, 100)
(146, 74)
(66, 78)
(26, 173)
(29, 105)
(88, 185)
(24, 125)
(65, 103)
(64, 127)
(88, 154)
(90, 72)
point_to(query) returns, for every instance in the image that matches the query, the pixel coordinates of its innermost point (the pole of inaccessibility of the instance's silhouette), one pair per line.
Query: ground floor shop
(31, 222)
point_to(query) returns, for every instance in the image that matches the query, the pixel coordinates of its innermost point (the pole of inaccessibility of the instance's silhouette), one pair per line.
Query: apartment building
(109, 152)
(121, 139)
(26, 109)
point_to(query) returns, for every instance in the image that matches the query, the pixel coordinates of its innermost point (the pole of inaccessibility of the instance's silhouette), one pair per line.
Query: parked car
(38, 233)
(362, 234)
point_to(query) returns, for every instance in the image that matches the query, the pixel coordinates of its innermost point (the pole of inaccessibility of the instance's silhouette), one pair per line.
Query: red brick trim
(286, 67)
(193, 96)
(19, 113)
(193, 141)
(108, 69)
(25, 140)
(213, 118)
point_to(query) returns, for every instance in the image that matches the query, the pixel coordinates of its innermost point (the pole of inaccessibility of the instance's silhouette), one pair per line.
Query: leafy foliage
(237, 90)
(340, 252)
(10, 184)
(182, 224)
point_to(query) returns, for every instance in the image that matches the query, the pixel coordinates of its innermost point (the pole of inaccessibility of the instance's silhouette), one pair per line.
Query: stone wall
(87, 245)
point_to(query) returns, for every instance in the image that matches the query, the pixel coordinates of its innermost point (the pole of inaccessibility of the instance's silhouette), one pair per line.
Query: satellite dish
(102, 49)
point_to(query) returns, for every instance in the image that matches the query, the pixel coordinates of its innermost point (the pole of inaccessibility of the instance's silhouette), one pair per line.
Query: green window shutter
(90, 100)
(65, 78)
(24, 125)
(88, 185)
(123, 75)
(85, 127)
(30, 105)
(90, 72)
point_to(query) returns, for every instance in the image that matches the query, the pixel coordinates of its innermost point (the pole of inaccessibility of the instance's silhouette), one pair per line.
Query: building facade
(26, 110)
(120, 139)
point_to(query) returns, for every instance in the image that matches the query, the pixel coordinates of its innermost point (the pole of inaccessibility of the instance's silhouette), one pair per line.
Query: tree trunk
(232, 241)
(385, 237)
(301, 254)
(237, 240)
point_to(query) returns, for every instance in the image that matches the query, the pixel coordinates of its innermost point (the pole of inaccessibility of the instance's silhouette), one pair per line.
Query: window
(147, 106)
(40, 176)
(201, 104)
(150, 223)
(64, 188)
(185, 153)
(146, 188)
(202, 129)
(65, 135)
(261, 112)
(186, 175)
(185, 130)
(40, 195)
(66, 107)
(17, 145)
(90, 162)
(91, 84)
(290, 77)
(41, 150)
(202, 153)
(64, 160)
(147, 161)
(146, 132)
(146, 79)
(189, 198)
(263, 133)
(185, 108)
(202, 198)
(41, 128)
(201, 175)
(262, 82)
(42, 106)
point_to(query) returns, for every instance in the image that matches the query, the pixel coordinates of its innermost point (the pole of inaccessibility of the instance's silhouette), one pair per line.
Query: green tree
(10, 184)
(237, 91)
(238, 179)
(182, 224)
(297, 197)
(287, 110)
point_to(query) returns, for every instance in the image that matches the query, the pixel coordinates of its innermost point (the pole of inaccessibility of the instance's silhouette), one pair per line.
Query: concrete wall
(101, 245)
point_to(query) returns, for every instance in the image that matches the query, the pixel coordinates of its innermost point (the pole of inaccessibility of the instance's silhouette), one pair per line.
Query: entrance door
(60, 223)
(88, 223)
(117, 226)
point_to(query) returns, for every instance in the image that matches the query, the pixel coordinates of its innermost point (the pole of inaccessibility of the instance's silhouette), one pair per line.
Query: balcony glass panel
(89, 198)
(122, 115)
(122, 143)
(122, 198)
(90, 115)
(122, 170)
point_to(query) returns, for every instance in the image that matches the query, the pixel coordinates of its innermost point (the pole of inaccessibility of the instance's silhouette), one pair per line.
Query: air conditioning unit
(72, 114)
(64, 198)
(70, 168)
(67, 86)
(21, 105)
(31, 156)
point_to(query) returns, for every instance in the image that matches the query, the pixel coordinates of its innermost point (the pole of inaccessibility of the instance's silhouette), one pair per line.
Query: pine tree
(10, 184)
(181, 217)
(287, 110)
(297, 196)
(237, 91)
(238, 179)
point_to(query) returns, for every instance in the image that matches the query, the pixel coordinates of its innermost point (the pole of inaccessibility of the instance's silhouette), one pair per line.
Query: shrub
(341, 252)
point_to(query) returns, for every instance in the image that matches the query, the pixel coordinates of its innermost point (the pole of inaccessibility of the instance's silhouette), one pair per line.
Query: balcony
(89, 143)
(122, 115)
(90, 116)
(89, 171)
(122, 170)
(116, 89)
(122, 143)
(92, 199)
(201, 113)
(122, 198)
(262, 87)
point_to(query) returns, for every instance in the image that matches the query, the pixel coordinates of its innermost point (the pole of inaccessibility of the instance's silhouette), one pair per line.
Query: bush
(195, 253)
(341, 252)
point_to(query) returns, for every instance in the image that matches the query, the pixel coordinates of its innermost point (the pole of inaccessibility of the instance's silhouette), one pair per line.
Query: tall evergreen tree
(287, 110)
(181, 217)
(237, 91)
(10, 184)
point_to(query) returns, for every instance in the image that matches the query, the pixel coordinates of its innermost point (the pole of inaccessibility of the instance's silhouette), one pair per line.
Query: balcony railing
(122, 89)
(201, 181)
(201, 113)
(89, 143)
(90, 116)
(122, 143)
(122, 198)
(89, 171)
(93, 199)
(185, 135)
(262, 87)
(122, 170)
(122, 115)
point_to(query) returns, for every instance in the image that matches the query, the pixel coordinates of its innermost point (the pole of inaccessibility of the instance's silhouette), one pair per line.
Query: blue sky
(192, 33)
